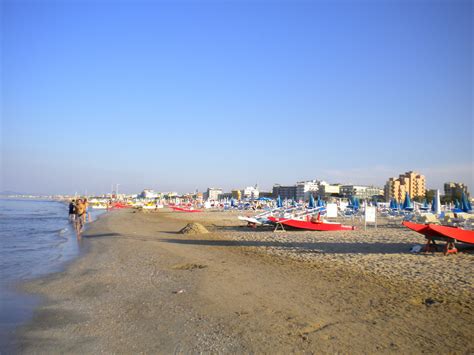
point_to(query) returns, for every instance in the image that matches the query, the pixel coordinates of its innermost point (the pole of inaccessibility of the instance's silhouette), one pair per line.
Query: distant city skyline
(183, 95)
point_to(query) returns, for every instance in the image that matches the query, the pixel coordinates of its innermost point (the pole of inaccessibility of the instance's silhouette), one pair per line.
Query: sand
(194, 228)
(144, 287)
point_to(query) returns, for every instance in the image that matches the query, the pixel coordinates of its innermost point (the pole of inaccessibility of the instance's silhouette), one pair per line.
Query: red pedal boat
(434, 232)
(180, 209)
(309, 225)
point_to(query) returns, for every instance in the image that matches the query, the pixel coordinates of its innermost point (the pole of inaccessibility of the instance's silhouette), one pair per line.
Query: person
(72, 210)
(80, 212)
(87, 215)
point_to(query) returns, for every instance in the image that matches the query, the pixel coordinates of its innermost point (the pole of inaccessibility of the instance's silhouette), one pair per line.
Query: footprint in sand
(188, 266)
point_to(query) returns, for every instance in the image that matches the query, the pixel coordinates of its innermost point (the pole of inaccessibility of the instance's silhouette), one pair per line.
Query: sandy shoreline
(142, 287)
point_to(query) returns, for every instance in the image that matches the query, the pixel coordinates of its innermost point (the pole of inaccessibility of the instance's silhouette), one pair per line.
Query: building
(250, 192)
(328, 190)
(285, 192)
(305, 188)
(212, 194)
(225, 196)
(361, 192)
(237, 194)
(267, 194)
(149, 193)
(411, 182)
(453, 191)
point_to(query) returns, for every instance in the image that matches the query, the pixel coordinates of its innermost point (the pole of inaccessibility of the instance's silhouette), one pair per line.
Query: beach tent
(279, 202)
(407, 205)
(311, 202)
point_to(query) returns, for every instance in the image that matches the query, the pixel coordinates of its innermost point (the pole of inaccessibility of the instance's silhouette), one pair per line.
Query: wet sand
(142, 287)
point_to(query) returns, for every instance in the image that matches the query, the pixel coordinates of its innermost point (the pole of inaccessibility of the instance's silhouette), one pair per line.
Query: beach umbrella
(407, 203)
(311, 201)
(457, 205)
(279, 202)
(436, 205)
(294, 203)
(355, 203)
(425, 205)
(321, 203)
(351, 202)
(465, 205)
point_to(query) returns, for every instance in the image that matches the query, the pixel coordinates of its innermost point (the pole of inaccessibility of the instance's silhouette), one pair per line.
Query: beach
(144, 287)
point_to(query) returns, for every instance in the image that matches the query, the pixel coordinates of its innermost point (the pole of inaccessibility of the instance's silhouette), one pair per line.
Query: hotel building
(411, 182)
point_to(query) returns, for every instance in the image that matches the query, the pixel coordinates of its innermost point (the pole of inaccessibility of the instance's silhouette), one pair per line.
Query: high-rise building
(411, 182)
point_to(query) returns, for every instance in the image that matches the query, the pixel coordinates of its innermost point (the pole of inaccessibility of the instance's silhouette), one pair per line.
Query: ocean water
(36, 239)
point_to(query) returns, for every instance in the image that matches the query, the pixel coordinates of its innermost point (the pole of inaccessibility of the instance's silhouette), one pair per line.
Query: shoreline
(28, 302)
(152, 289)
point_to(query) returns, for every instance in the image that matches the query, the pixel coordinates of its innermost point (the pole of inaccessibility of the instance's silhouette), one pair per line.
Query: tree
(429, 195)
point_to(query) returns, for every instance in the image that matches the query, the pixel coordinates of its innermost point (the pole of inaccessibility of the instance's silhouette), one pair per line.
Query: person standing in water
(80, 215)
(72, 210)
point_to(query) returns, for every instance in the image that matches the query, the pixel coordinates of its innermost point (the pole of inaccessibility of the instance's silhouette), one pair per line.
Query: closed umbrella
(407, 206)
(279, 202)
(436, 205)
(465, 205)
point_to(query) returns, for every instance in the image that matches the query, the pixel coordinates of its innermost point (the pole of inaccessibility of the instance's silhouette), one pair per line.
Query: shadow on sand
(323, 247)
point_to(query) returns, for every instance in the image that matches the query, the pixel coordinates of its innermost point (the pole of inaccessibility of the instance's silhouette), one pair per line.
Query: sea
(36, 239)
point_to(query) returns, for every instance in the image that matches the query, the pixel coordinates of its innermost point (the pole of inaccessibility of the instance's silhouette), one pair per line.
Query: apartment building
(411, 182)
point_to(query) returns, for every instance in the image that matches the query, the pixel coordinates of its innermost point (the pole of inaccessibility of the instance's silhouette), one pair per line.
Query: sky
(184, 95)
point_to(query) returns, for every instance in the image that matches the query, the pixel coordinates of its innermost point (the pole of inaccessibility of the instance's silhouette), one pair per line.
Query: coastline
(141, 286)
(22, 304)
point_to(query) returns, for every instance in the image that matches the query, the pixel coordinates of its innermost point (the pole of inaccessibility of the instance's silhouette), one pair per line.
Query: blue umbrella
(456, 204)
(311, 201)
(351, 202)
(434, 205)
(425, 205)
(320, 202)
(279, 202)
(465, 205)
(407, 203)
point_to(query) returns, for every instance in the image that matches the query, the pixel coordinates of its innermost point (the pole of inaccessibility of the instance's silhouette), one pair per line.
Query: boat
(180, 209)
(311, 225)
(449, 234)
(119, 205)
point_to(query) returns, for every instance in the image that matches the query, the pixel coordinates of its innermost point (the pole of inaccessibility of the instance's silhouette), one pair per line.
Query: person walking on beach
(72, 210)
(87, 215)
(80, 212)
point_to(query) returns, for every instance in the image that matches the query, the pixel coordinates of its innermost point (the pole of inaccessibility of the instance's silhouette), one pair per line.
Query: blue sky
(179, 95)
